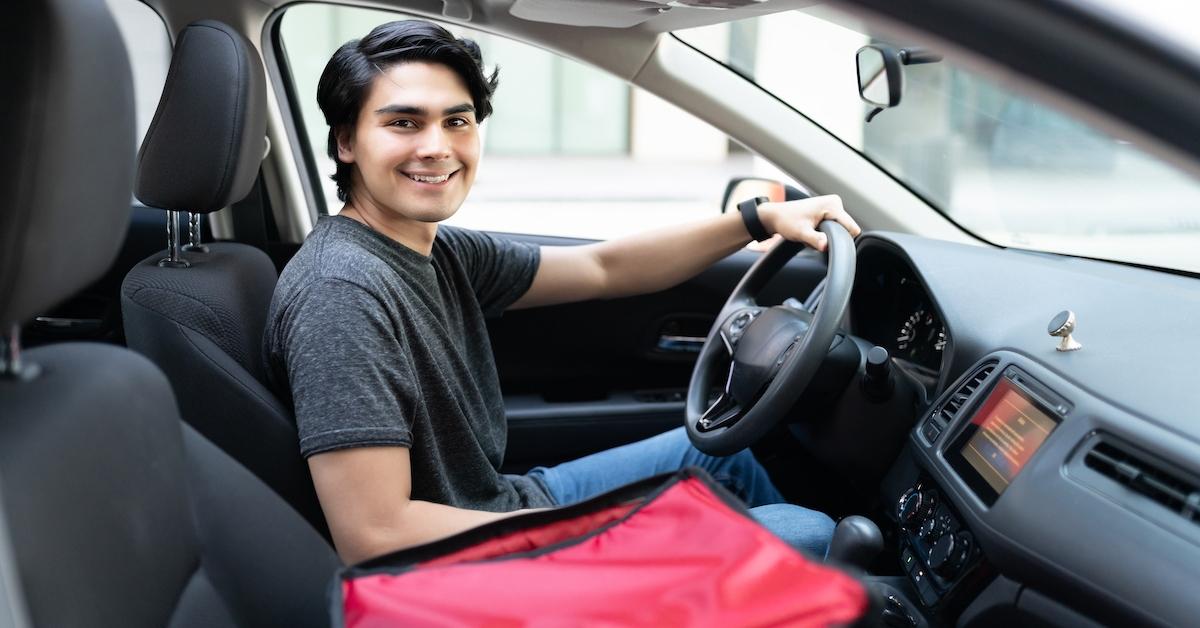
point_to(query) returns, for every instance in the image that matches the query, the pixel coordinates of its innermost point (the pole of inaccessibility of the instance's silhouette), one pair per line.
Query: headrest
(66, 151)
(206, 141)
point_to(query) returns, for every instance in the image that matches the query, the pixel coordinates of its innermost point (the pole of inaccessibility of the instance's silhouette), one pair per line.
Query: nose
(434, 144)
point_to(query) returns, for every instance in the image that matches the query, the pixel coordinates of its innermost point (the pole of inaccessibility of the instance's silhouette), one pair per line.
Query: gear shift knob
(856, 542)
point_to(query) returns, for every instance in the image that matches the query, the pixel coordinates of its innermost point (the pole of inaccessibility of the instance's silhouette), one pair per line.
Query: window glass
(569, 150)
(149, 46)
(1007, 168)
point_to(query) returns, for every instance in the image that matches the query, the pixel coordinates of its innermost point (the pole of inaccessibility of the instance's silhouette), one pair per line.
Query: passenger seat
(199, 314)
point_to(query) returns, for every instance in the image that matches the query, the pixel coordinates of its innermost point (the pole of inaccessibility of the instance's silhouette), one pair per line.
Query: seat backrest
(112, 511)
(202, 321)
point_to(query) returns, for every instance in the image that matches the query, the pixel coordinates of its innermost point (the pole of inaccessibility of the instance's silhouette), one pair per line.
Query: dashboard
(1043, 485)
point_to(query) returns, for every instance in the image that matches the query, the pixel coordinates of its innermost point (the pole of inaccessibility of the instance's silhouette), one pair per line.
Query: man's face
(416, 144)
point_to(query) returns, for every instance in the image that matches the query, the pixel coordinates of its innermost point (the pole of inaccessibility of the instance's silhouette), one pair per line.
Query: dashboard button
(908, 559)
(930, 529)
(931, 431)
(924, 588)
(963, 551)
(929, 501)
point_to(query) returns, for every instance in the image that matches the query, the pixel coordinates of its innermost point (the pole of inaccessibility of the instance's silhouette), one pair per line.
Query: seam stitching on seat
(231, 160)
(247, 389)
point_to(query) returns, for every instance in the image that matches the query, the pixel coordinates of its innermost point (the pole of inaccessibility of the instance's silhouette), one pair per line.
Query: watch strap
(749, 211)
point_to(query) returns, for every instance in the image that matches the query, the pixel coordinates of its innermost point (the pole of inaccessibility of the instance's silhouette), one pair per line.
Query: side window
(149, 46)
(569, 150)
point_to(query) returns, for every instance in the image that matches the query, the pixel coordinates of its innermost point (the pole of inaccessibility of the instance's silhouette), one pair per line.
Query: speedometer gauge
(921, 339)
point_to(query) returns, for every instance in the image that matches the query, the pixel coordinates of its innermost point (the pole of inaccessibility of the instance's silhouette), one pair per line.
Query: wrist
(768, 213)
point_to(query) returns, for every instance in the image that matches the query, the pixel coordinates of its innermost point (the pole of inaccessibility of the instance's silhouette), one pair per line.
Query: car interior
(1004, 432)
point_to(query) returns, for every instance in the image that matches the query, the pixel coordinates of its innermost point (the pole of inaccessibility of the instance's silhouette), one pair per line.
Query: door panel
(584, 377)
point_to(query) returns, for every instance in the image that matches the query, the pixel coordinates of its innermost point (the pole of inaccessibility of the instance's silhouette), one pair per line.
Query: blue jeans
(575, 481)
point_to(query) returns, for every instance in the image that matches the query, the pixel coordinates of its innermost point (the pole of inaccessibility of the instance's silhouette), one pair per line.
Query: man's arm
(657, 260)
(365, 495)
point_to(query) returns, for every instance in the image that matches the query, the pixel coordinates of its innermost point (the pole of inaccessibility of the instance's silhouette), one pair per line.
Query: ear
(345, 145)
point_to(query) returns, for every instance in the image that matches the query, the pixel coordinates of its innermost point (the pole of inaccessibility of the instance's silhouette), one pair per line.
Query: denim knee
(807, 530)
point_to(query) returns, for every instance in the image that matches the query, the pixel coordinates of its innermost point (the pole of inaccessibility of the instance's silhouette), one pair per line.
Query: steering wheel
(774, 352)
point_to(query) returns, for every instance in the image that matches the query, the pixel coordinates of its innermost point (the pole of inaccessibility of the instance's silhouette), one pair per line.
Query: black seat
(199, 313)
(112, 511)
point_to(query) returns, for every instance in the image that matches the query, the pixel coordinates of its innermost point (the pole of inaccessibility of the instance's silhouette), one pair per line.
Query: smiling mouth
(433, 179)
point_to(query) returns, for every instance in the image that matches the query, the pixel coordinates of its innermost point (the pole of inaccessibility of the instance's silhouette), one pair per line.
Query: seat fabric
(203, 327)
(117, 518)
(43, 122)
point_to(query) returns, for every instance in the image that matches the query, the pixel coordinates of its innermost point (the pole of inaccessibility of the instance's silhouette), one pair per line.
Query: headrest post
(194, 245)
(11, 366)
(172, 260)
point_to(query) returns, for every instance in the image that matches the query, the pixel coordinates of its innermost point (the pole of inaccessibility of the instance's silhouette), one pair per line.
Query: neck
(410, 233)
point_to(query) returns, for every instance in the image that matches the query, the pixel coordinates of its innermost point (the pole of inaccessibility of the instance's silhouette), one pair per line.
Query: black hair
(352, 69)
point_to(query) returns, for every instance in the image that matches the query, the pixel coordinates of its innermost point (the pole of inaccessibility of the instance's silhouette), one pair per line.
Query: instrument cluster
(892, 309)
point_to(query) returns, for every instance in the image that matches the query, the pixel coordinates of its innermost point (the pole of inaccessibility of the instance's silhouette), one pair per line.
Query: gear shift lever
(856, 542)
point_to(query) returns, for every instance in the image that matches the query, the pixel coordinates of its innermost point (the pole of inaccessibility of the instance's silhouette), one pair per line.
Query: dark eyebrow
(404, 109)
(422, 112)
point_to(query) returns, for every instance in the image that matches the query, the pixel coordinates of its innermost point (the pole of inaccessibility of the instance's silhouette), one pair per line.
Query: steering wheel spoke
(735, 325)
(724, 411)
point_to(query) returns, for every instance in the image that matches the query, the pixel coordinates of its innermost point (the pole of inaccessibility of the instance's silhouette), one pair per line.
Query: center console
(978, 438)
(936, 549)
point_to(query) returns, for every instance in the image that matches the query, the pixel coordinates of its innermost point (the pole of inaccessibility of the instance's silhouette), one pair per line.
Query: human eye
(458, 122)
(402, 123)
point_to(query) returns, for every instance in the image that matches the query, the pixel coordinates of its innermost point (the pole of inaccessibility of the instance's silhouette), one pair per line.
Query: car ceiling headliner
(653, 16)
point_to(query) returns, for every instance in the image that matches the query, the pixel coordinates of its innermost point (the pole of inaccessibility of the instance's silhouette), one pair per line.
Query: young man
(377, 335)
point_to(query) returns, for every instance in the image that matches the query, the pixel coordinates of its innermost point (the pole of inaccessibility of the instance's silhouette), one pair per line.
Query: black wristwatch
(754, 224)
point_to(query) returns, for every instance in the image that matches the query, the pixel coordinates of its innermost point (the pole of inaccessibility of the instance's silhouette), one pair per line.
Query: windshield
(1008, 169)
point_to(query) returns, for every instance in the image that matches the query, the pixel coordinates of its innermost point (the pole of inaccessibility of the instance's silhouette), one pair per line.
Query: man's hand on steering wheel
(772, 352)
(797, 220)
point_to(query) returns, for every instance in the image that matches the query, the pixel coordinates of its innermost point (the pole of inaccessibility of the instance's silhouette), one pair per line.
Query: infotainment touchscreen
(1003, 434)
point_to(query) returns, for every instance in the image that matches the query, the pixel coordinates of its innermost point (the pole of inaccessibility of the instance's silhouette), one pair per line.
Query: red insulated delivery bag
(674, 550)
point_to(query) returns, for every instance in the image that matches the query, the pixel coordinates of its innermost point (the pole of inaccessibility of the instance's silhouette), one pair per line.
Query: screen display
(1004, 434)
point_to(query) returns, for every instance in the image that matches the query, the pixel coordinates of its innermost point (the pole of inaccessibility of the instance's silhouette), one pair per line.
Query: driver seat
(112, 511)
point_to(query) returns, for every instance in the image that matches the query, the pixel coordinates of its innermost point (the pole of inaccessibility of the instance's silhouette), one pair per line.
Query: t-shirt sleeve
(501, 270)
(352, 380)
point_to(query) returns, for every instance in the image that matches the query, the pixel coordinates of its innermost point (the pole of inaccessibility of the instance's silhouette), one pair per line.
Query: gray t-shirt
(373, 344)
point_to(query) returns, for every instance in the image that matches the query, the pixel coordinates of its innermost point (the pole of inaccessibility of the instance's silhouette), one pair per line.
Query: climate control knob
(949, 553)
(929, 529)
(910, 508)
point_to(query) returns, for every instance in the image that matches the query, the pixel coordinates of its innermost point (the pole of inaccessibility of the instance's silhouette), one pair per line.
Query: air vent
(1142, 474)
(955, 403)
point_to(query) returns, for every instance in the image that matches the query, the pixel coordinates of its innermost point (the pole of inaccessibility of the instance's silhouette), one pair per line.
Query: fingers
(799, 220)
(807, 233)
(834, 211)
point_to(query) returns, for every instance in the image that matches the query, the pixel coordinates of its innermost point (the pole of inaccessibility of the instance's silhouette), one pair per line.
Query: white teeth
(420, 178)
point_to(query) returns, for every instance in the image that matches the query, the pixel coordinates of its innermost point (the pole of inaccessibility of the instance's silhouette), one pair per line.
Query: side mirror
(741, 188)
(881, 75)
